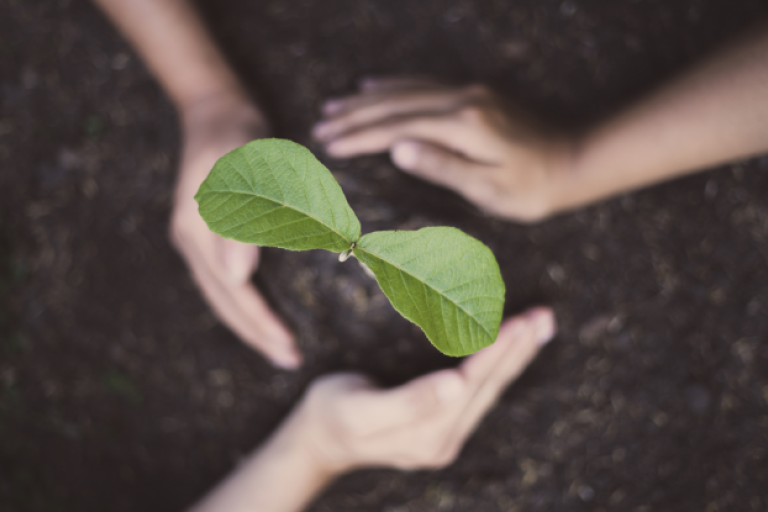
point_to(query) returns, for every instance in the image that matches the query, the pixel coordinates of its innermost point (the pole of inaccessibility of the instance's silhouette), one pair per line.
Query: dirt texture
(120, 391)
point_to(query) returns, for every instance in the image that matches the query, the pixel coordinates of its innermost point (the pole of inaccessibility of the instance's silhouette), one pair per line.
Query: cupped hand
(465, 138)
(223, 268)
(348, 423)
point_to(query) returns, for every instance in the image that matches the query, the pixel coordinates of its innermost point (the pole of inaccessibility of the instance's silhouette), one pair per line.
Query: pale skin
(468, 139)
(345, 422)
(471, 140)
(217, 116)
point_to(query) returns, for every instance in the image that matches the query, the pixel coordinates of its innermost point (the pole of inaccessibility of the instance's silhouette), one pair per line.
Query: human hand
(222, 268)
(345, 422)
(464, 138)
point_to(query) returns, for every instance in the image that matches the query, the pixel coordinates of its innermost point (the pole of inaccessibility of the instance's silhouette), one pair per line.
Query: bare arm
(281, 476)
(217, 116)
(715, 113)
(468, 140)
(174, 43)
(345, 422)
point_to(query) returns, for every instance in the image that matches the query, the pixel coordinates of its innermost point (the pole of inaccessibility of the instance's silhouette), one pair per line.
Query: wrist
(281, 475)
(211, 127)
(297, 438)
(562, 175)
(547, 166)
(222, 107)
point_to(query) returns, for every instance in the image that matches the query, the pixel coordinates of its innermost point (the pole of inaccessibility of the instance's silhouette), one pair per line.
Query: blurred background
(119, 390)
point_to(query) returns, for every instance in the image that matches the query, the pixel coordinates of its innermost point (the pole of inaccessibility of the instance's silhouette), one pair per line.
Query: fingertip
(405, 154)
(321, 130)
(336, 150)
(332, 106)
(287, 360)
(544, 324)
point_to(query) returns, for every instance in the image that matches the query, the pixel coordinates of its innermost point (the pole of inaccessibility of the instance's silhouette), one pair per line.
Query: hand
(346, 422)
(222, 268)
(464, 138)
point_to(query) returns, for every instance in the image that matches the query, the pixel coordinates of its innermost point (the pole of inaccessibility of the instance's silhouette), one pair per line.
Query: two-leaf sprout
(275, 193)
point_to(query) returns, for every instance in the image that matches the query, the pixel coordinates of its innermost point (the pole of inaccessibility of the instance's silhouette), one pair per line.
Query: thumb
(240, 260)
(379, 410)
(422, 395)
(432, 163)
(519, 340)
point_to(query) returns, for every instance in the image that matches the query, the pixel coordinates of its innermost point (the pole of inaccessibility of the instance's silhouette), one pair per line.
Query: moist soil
(120, 391)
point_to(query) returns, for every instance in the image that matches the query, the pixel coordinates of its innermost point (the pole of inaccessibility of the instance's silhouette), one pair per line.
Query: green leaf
(443, 280)
(274, 192)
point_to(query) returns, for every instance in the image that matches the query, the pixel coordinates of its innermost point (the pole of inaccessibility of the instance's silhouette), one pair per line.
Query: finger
(435, 163)
(489, 371)
(531, 330)
(448, 130)
(377, 85)
(238, 259)
(396, 83)
(381, 411)
(245, 312)
(358, 111)
(271, 335)
(442, 426)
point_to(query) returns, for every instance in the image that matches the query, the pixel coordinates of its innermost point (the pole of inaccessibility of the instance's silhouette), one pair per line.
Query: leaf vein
(436, 291)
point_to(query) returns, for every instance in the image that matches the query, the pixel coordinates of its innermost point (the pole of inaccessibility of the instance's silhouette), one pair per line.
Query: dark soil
(120, 391)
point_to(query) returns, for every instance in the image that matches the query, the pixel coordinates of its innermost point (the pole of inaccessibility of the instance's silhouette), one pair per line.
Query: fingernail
(544, 326)
(287, 361)
(449, 388)
(330, 107)
(405, 154)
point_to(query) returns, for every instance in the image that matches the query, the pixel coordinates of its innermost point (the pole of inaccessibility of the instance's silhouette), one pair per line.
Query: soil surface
(120, 391)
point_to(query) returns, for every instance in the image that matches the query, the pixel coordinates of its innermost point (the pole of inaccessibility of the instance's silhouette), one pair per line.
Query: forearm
(281, 476)
(715, 113)
(171, 38)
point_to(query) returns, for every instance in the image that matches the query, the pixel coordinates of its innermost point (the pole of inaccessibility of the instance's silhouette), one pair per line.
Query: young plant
(275, 193)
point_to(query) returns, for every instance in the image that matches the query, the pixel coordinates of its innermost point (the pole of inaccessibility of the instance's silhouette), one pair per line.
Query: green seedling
(275, 193)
